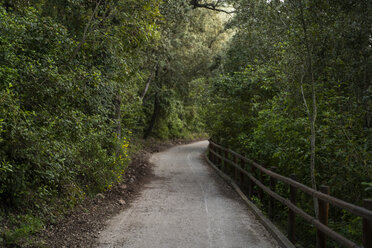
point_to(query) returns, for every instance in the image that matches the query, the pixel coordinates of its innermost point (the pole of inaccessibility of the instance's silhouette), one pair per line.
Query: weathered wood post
(271, 199)
(321, 238)
(367, 226)
(260, 191)
(291, 214)
(236, 169)
(226, 164)
(214, 157)
(242, 165)
(219, 163)
(251, 183)
(210, 154)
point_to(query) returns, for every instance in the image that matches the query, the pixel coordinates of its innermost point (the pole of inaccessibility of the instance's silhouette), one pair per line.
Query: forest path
(185, 205)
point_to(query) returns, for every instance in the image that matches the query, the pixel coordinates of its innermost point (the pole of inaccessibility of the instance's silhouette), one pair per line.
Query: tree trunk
(86, 29)
(156, 70)
(153, 117)
(313, 113)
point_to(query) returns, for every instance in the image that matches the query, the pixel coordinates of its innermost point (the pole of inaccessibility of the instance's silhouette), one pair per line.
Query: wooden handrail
(359, 211)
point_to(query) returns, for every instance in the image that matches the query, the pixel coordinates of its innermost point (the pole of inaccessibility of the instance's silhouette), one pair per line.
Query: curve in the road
(186, 205)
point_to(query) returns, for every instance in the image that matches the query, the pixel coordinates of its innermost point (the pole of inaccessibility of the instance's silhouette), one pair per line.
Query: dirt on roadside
(81, 227)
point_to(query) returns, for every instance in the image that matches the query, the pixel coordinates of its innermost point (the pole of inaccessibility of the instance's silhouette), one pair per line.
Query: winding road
(185, 205)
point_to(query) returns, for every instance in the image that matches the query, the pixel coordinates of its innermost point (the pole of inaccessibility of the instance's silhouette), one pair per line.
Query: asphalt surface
(185, 205)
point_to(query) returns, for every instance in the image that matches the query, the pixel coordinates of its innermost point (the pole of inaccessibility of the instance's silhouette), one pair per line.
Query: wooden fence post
(271, 199)
(251, 183)
(214, 157)
(323, 217)
(367, 226)
(291, 214)
(226, 164)
(260, 191)
(210, 155)
(219, 160)
(242, 165)
(236, 170)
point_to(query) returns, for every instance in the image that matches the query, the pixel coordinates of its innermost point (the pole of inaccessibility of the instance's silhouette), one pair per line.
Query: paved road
(186, 205)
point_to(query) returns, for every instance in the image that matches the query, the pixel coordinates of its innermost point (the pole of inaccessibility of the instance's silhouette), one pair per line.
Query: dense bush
(57, 126)
(78, 81)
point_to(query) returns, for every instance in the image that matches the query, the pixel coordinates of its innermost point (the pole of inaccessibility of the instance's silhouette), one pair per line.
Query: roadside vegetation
(295, 93)
(81, 81)
(287, 83)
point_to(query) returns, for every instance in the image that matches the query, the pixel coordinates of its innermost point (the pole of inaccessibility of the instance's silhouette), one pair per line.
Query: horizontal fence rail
(219, 154)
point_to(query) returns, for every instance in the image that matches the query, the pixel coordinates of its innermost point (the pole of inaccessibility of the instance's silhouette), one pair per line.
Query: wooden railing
(219, 155)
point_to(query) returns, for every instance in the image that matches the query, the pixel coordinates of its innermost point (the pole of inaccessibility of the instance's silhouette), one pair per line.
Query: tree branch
(303, 95)
(86, 29)
(154, 72)
(210, 6)
(313, 115)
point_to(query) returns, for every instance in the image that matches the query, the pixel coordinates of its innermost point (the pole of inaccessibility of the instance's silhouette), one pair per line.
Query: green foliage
(184, 55)
(63, 65)
(80, 79)
(368, 186)
(257, 107)
(27, 225)
(257, 202)
(72, 77)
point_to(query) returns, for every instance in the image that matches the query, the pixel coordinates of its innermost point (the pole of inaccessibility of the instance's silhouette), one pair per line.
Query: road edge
(270, 227)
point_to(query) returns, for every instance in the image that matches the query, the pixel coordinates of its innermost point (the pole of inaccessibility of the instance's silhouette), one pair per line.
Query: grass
(18, 229)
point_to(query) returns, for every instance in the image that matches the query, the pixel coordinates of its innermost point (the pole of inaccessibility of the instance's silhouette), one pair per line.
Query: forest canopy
(287, 83)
